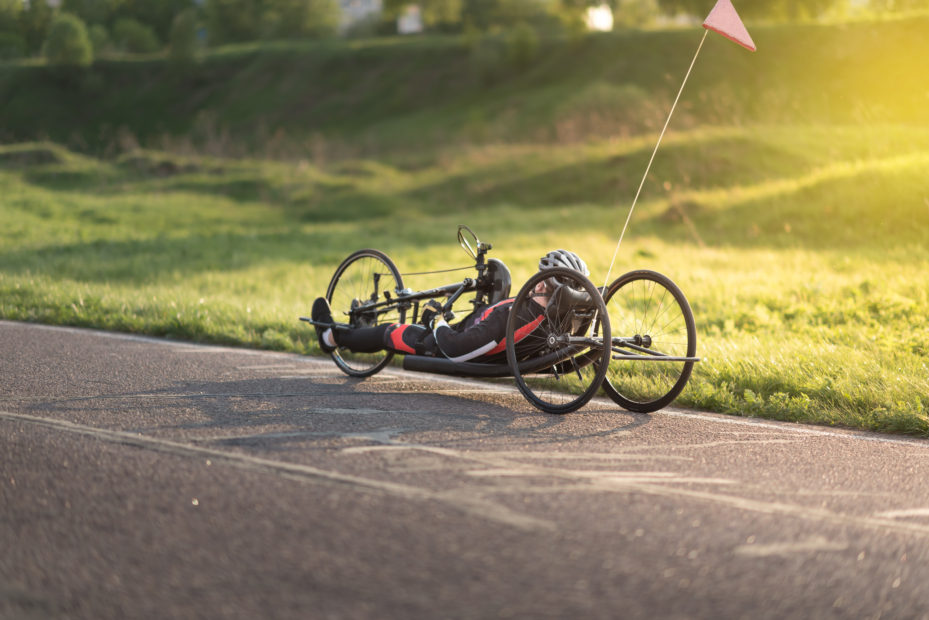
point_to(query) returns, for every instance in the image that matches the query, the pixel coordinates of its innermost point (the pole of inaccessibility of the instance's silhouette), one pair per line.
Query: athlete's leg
(396, 337)
(362, 339)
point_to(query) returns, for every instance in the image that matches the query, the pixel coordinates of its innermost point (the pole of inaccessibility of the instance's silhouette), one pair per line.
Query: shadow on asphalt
(276, 413)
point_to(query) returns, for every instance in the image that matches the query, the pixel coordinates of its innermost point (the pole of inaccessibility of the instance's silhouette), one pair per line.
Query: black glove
(431, 309)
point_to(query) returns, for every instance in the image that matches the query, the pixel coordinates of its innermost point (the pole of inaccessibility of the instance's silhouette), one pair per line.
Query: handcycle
(635, 337)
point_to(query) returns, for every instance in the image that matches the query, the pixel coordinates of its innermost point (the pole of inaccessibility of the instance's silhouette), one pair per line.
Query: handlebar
(466, 285)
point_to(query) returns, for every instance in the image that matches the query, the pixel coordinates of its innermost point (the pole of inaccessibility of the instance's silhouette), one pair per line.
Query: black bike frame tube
(654, 358)
(466, 286)
(640, 349)
(454, 296)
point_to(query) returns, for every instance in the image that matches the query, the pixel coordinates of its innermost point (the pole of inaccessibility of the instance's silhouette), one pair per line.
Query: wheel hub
(361, 318)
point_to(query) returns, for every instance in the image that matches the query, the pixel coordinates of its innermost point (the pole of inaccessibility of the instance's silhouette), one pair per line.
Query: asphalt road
(150, 479)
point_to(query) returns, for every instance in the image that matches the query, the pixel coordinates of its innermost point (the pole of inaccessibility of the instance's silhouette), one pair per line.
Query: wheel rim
(352, 289)
(649, 311)
(567, 385)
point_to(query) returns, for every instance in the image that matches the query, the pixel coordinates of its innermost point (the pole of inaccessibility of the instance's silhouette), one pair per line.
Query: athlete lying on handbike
(480, 337)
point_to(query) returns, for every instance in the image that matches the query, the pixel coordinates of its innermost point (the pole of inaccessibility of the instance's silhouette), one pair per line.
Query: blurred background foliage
(144, 26)
(333, 98)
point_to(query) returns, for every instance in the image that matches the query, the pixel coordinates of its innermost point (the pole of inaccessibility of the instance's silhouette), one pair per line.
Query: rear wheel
(651, 318)
(357, 284)
(569, 332)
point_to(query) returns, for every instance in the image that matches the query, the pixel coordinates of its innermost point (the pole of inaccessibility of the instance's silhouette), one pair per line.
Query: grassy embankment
(790, 201)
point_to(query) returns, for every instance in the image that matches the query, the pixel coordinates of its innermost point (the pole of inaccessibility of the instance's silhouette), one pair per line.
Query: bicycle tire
(361, 279)
(569, 384)
(648, 305)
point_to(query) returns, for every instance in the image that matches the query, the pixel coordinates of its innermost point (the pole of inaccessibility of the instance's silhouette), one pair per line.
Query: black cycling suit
(481, 336)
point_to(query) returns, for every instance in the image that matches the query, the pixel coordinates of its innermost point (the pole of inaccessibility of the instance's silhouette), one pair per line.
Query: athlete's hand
(431, 309)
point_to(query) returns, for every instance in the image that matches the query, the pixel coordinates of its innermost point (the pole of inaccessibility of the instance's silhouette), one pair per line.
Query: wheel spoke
(647, 304)
(573, 379)
(360, 281)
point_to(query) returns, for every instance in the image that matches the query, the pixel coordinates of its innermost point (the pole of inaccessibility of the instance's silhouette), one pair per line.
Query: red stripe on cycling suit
(518, 336)
(487, 312)
(396, 339)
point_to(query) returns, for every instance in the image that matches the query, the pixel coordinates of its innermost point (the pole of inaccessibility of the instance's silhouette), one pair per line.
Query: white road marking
(791, 428)
(310, 375)
(462, 499)
(548, 456)
(383, 436)
(612, 481)
(810, 545)
(716, 444)
(350, 411)
(898, 514)
(616, 476)
(474, 500)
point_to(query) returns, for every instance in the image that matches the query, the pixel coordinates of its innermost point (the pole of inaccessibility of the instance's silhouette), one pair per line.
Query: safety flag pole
(652, 159)
(724, 20)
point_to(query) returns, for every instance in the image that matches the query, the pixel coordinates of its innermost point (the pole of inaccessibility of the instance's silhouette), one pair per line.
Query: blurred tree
(572, 15)
(546, 17)
(92, 11)
(11, 46)
(67, 44)
(522, 45)
(298, 18)
(35, 19)
(479, 14)
(749, 9)
(99, 38)
(442, 12)
(184, 46)
(156, 14)
(130, 35)
(488, 58)
(634, 13)
(10, 12)
(232, 21)
(512, 12)
(436, 14)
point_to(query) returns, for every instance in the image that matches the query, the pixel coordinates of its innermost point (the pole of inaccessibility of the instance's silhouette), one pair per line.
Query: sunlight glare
(600, 18)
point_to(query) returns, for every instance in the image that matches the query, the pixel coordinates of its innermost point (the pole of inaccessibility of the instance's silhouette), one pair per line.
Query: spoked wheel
(358, 283)
(565, 328)
(651, 320)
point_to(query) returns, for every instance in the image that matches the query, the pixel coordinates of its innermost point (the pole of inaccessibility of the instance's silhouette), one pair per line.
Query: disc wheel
(650, 314)
(357, 284)
(539, 328)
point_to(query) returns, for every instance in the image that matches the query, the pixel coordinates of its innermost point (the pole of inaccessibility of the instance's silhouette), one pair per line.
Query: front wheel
(652, 322)
(357, 285)
(555, 338)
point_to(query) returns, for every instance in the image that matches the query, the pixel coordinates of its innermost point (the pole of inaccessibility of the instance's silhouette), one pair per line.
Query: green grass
(789, 200)
(803, 251)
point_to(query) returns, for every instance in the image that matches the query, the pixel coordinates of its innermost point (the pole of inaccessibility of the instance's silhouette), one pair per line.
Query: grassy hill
(337, 99)
(789, 200)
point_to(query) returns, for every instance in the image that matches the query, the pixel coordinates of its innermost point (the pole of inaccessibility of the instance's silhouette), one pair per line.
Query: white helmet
(563, 258)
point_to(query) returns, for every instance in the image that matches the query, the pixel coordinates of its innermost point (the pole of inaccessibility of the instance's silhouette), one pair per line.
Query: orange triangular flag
(724, 20)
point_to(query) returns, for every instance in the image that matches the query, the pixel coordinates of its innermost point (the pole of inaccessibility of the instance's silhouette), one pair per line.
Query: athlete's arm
(481, 339)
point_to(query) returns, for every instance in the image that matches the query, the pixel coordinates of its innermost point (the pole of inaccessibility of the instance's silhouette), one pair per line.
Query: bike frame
(633, 348)
(407, 299)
